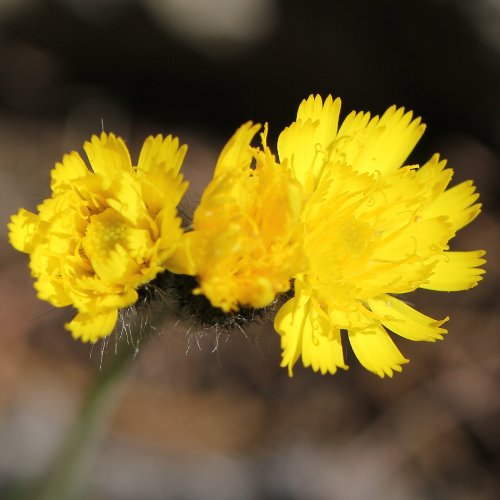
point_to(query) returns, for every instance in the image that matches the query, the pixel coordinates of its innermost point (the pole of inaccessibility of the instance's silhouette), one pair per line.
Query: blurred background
(216, 418)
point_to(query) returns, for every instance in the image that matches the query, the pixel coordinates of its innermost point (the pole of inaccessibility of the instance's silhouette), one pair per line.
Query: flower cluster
(334, 220)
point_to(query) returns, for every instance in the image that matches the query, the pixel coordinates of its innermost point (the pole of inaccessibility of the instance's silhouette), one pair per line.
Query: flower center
(353, 236)
(105, 231)
(339, 253)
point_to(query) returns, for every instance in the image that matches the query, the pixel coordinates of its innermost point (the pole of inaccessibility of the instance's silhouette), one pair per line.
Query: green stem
(68, 475)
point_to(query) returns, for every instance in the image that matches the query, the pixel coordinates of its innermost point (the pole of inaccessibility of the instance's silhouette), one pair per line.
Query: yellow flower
(246, 242)
(104, 232)
(373, 229)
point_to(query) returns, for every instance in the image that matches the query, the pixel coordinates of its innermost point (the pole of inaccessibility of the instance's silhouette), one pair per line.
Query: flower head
(104, 232)
(246, 242)
(373, 229)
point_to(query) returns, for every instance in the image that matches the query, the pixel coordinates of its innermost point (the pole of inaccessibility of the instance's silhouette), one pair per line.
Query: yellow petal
(289, 323)
(71, 168)
(52, 290)
(383, 144)
(321, 344)
(457, 203)
(237, 155)
(421, 237)
(160, 155)
(108, 155)
(307, 331)
(161, 189)
(376, 351)
(304, 145)
(23, 231)
(434, 176)
(406, 321)
(113, 301)
(188, 256)
(92, 327)
(354, 124)
(117, 266)
(297, 149)
(326, 113)
(126, 198)
(456, 271)
(140, 245)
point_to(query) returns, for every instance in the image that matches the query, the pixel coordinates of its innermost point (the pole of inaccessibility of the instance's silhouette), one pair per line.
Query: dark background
(227, 423)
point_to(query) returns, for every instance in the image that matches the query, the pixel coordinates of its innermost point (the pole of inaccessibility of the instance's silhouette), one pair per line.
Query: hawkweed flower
(246, 239)
(374, 230)
(104, 232)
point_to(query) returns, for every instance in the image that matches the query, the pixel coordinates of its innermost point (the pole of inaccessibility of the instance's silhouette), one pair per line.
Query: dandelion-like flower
(104, 232)
(373, 230)
(246, 242)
